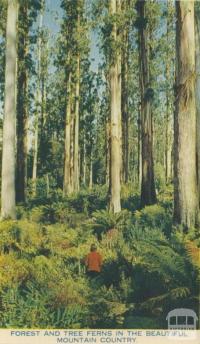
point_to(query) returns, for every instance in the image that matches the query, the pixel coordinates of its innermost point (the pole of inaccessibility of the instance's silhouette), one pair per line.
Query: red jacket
(93, 261)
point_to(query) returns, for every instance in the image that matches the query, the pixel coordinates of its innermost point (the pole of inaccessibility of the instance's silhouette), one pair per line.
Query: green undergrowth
(149, 266)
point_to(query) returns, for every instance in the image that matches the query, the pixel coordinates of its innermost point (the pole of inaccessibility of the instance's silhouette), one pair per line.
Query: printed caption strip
(33, 336)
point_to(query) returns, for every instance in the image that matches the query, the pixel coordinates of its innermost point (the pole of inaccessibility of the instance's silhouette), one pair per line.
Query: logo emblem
(182, 319)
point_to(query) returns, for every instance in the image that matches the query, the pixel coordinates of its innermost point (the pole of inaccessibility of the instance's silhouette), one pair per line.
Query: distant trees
(38, 100)
(185, 184)
(91, 128)
(9, 136)
(76, 45)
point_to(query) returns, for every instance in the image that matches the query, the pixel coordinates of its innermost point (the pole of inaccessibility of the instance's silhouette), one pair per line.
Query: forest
(99, 144)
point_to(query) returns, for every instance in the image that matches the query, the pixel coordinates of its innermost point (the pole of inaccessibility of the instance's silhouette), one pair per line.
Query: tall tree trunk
(91, 172)
(67, 155)
(107, 151)
(119, 85)
(72, 141)
(84, 161)
(168, 143)
(35, 148)
(148, 194)
(124, 99)
(107, 124)
(38, 109)
(44, 76)
(185, 183)
(197, 61)
(139, 156)
(22, 106)
(115, 128)
(168, 147)
(167, 133)
(76, 129)
(9, 127)
(71, 163)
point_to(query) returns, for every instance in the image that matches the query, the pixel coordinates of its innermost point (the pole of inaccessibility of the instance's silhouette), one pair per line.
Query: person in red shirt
(93, 262)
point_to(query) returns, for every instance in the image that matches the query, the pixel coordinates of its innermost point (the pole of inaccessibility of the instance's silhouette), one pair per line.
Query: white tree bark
(9, 125)
(115, 128)
(38, 107)
(185, 184)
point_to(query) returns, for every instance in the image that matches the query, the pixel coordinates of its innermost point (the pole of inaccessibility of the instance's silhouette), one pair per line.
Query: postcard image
(99, 171)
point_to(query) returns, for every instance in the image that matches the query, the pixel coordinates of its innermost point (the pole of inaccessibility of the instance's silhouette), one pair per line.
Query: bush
(35, 308)
(103, 221)
(154, 216)
(106, 301)
(87, 200)
(130, 197)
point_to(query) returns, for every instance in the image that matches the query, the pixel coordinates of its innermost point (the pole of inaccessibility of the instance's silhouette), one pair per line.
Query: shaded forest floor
(150, 267)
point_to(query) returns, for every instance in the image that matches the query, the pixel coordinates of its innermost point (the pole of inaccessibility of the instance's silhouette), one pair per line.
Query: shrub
(87, 200)
(102, 221)
(130, 197)
(154, 216)
(106, 301)
(14, 271)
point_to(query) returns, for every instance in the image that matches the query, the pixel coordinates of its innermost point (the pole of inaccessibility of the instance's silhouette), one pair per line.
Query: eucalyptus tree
(75, 48)
(125, 66)
(2, 67)
(22, 101)
(185, 184)
(28, 10)
(69, 28)
(38, 99)
(3, 9)
(89, 125)
(45, 75)
(161, 43)
(113, 20)
(115, 109)
(9, 136)
(148, 194)
(169, 75)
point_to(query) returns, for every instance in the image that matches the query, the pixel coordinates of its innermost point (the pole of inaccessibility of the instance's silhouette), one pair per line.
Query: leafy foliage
(145, 273)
